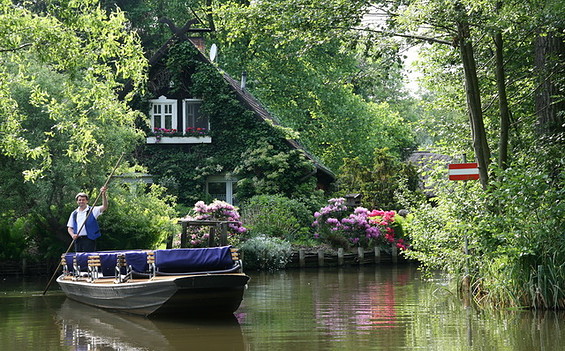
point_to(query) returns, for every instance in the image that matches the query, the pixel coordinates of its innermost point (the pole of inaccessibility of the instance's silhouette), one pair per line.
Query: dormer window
(169, 125)
(163, 113)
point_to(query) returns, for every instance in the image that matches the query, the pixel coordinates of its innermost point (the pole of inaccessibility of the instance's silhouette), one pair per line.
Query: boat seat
(137, 259)
(193, 260)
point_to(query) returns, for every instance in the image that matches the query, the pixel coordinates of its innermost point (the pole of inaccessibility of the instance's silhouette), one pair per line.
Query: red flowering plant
(387, 220)
(338, 227)
(216, 211)
(195, 132)
(158, 133)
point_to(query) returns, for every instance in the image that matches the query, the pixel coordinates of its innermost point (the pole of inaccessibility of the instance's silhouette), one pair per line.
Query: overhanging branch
(17, 48)
(410, 36)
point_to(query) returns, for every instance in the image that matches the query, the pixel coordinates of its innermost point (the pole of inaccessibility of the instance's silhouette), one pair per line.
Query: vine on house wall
(235, 133)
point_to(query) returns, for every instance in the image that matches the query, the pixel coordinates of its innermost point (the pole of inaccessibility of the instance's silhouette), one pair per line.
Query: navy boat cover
(166, 261)
(193, 260)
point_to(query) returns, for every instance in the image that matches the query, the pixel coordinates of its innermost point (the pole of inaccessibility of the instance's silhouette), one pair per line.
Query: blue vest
(92, 228)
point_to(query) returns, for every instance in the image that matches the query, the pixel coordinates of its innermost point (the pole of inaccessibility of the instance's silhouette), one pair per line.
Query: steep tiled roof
(254, 105)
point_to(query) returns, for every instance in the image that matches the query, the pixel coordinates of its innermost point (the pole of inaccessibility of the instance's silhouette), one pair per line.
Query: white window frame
(189, 119)
(230, 185)
(161, 108)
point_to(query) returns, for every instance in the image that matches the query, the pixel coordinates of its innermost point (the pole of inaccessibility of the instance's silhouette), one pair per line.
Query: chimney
(243, 80)
(199, 43)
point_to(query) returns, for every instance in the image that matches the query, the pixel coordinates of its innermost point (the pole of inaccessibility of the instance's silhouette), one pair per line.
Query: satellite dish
(213, 52)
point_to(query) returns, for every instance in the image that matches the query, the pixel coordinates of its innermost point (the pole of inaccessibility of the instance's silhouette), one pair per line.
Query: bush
(137, 219)
(277, 216)
(378, 180)
(13, 242)
(215, 211)
(266, 170)
(266, 253)
(340, 227)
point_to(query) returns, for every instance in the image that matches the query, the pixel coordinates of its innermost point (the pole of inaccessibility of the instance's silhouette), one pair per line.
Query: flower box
(178, 140)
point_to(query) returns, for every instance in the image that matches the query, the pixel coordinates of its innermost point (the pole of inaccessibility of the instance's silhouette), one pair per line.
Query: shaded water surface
(356, 308)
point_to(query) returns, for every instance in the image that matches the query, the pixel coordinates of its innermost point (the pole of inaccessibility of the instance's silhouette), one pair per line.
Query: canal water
(385, 307)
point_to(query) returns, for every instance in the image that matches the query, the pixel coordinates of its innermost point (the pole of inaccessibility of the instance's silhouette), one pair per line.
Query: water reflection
(381, 308)
(88, 328)
(361, 302)
(373, 308)
(355, 308)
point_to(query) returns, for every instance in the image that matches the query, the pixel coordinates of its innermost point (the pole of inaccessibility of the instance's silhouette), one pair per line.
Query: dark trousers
(84, 244)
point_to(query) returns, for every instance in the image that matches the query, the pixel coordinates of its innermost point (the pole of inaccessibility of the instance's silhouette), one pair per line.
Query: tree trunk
(549, 65)
(480, 145)
(502, 102)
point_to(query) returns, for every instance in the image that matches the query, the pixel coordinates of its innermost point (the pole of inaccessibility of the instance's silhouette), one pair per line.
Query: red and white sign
(463, 171)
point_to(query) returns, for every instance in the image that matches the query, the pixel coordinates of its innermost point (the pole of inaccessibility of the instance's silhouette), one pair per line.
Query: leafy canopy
(90, 54)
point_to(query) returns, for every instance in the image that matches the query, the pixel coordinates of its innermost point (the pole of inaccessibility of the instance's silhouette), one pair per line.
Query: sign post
(463, 171)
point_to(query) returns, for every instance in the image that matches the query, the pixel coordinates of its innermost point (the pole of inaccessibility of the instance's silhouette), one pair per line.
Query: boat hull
(170, 295)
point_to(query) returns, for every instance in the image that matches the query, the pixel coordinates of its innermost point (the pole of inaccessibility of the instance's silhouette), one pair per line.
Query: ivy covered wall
(243, 144)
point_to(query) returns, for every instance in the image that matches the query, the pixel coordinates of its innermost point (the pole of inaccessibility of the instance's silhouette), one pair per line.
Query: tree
(549, 68)
(313, 72)
(466, 25)
(509, 228)
(89, 54)
(378, 180)
(62, 126)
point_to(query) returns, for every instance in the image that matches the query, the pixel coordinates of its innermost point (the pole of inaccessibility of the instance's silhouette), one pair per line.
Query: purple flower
(332, 221)
(361, 210)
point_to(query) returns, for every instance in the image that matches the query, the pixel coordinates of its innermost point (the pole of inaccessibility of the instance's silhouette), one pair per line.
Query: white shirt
(81, 217)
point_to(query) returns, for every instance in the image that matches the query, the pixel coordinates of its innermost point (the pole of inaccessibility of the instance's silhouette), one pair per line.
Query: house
(202, 123)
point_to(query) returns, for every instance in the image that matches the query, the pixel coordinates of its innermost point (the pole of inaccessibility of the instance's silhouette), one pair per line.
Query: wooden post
(224, 234)
(394, 253)
(183, 237)
(340, 256)
(361, 255)
(321, 258)
(211, 235)
(377, 254)
(302, 258)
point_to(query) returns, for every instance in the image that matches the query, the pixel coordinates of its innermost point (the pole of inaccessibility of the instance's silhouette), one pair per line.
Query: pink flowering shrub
(216, 211)
(336, 225)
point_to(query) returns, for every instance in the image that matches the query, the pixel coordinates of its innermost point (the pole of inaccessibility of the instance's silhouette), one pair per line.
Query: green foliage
(266, 253)
(277, 216)
(514, 232)
(136, 218)
(62, 124)
(264, 170)
(318, 75)
(144, 17)
(88, 54)
(13, 241)
(378, 180)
